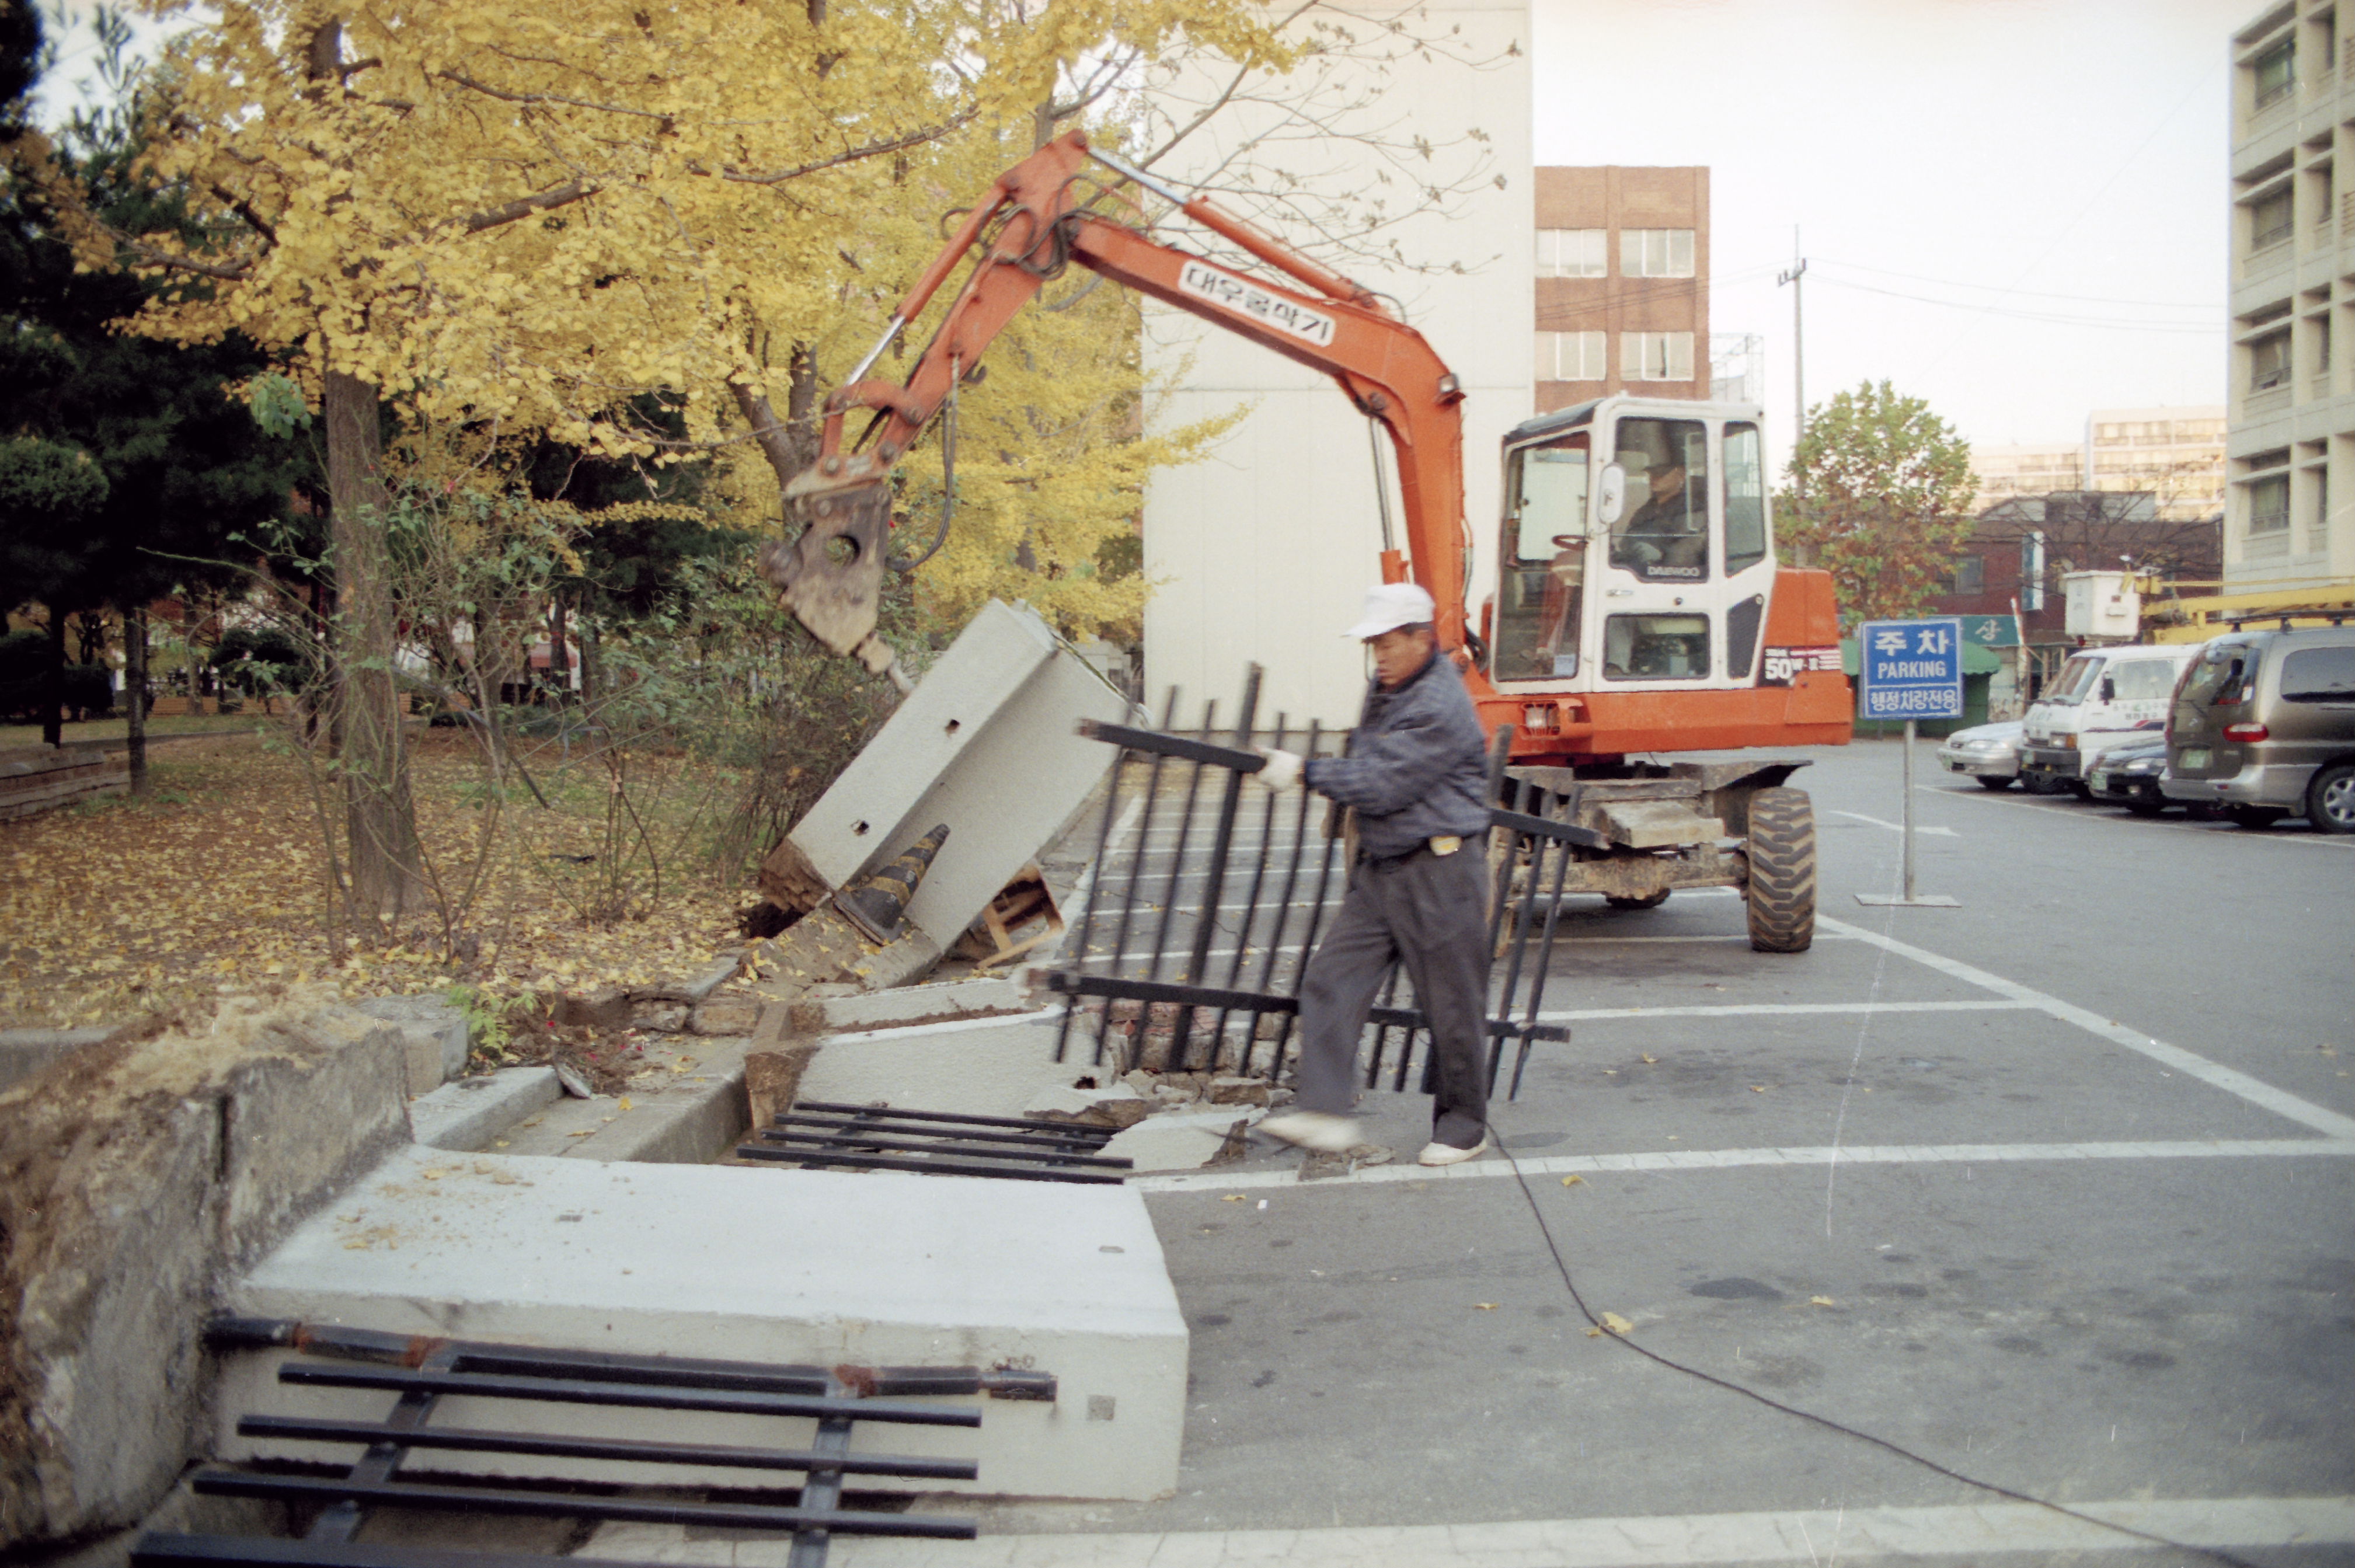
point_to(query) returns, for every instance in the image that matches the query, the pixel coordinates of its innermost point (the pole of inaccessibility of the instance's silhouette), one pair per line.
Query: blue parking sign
(1911, 669)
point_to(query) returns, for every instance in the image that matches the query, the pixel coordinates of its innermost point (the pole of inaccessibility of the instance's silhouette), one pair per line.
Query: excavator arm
(1031, 227)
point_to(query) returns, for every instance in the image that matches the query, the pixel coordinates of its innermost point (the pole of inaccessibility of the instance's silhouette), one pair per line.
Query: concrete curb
(465, 1115)
(690, 1120)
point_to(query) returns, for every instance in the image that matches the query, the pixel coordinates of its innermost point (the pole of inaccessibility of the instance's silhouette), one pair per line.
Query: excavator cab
(1636, 553)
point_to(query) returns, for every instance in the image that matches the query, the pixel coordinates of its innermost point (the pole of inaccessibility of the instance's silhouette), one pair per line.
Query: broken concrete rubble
(1117, 1107)
(1183, 1140)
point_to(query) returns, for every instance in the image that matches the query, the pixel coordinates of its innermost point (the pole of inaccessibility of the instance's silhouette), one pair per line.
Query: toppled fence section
(421, 1373)
(1207, 902)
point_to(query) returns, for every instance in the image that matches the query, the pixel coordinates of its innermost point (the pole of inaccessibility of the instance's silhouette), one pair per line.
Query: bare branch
(244, 209)
(546, 200)
(873, 149)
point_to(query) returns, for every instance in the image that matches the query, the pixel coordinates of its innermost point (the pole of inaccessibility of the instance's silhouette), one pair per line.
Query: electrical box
(2101, 604)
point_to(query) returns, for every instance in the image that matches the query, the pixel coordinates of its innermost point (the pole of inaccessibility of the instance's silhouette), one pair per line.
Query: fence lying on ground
(1157, 998)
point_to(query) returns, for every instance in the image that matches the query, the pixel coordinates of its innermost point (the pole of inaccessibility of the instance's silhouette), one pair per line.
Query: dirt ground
(214, 884)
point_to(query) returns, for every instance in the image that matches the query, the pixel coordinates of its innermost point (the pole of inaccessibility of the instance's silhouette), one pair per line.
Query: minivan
(2101, 698)
(2263, 723)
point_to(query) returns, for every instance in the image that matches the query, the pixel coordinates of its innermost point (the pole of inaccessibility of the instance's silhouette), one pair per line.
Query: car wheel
(1782, 894)
(2143, 807)
(2330, 798)
(1650, 900)
(1987, 781)
(2081, 790)
(2253, 818)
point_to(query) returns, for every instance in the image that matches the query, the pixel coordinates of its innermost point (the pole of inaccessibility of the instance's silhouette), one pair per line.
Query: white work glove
(1283, 769)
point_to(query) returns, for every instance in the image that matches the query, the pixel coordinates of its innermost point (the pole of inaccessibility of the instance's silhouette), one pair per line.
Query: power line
(2052, 318)
(1998, 288)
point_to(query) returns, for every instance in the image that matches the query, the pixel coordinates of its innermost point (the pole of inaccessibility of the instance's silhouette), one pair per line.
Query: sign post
(1910, 670)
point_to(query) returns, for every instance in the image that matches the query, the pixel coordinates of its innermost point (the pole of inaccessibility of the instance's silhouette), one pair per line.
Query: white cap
(1390, 605)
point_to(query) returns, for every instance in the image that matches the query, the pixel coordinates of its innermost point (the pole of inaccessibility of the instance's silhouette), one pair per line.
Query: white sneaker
(1319, 1130)
(1437, 1153)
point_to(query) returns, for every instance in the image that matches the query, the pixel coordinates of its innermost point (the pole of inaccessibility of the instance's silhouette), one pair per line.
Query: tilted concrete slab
(987, 742)
(760, 1264)
(984, 1067)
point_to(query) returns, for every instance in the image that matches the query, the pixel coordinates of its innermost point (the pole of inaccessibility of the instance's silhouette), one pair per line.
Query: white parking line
(1490, 1168)
(2280, 1101)
(1972, 1531)
(2071, 809)
(1894, 827)
(1750, 1009)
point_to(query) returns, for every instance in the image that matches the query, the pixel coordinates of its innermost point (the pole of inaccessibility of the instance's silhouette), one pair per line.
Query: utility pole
(1797, 269)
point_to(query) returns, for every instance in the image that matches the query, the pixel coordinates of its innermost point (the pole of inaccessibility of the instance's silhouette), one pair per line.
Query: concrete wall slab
(777, 1266)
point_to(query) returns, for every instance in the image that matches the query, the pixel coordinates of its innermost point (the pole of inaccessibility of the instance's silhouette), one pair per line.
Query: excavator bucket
(831, 577)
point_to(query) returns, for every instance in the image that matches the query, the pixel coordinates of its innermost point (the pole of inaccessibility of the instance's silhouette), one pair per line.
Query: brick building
(1622, 283)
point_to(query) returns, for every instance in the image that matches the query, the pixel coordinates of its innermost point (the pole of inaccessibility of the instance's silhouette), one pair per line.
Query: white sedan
(1987, 753)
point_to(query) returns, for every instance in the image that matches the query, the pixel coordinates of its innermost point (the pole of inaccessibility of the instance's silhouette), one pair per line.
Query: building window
(1969, 576)
(1573, 253)
(2269, 504)
(2269, 361)
(2277, 72)
(1570, 357)
(2270, 219)
(1655, 356)
(1656, 253)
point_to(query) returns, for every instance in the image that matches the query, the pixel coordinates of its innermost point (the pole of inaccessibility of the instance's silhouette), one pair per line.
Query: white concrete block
(987, 742)
(435, 1032)
(795, 1266)
(970, 1070)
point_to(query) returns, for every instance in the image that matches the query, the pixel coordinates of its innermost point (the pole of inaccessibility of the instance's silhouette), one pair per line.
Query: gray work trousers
(1431, 912)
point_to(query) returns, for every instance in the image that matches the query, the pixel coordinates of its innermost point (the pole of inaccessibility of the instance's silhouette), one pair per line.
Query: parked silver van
(2263, 723)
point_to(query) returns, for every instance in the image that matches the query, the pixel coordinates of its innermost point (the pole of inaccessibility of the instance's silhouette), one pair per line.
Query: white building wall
(1263, 551)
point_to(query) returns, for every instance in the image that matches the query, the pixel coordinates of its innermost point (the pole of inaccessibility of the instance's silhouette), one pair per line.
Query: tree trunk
(790, 444)
(134, 692)
(560, 661)
(387, 859)
(53, 686)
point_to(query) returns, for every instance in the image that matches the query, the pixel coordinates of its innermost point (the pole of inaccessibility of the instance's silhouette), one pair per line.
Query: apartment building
(2173, 455)
(1622, 283)
(2292, 412)
(2005, 471)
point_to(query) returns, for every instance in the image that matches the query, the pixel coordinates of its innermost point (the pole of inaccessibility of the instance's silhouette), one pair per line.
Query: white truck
(2102, 697)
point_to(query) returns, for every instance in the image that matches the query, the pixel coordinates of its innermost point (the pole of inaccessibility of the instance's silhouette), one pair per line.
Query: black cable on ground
(1561, 1265)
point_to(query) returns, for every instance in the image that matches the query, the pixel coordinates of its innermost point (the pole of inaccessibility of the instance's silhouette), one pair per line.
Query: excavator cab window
(1544, 549)
(1663, 534)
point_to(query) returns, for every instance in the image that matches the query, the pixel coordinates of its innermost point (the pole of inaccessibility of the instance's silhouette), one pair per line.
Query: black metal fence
(1208, 900)
(421, 1373)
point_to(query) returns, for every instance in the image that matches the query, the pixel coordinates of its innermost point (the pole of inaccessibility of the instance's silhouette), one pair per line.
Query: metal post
(1907, 816)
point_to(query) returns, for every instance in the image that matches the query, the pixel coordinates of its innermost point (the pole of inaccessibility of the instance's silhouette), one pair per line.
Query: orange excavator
(1638, 610)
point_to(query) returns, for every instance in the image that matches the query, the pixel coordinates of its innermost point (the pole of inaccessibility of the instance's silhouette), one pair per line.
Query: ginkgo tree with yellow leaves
(522, 218)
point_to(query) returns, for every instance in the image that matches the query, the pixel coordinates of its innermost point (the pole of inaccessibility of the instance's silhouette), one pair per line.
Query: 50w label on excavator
(1246, 298)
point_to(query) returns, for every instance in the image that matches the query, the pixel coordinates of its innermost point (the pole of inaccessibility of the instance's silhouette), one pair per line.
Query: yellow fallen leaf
(1758, 1088)
(1232, 1198)
(625, 1102)
(1649, 1057)
(1483, 1307)
(1612, 1324)
(1574, 1181)
(1821, 1301)
(436, 1173)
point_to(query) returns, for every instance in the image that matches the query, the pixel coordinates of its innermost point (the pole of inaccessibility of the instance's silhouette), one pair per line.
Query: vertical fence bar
(1251, 917)
(1231, 798)
(1088, 913)
(1316, 915)
(1284, 909)
(1544, 966)
(1129, 893)
(1179, 1049)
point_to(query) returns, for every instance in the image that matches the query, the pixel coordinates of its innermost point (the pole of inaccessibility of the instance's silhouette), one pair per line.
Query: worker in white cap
(1416, 775)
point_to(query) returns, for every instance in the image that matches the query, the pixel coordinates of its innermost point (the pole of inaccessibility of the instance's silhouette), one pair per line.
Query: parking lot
(2049, 1191)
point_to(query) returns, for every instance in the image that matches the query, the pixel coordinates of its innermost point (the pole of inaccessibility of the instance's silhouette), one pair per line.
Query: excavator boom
(1031, 228)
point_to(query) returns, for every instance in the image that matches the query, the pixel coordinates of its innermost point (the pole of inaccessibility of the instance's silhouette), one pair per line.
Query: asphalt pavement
(2049, 1191)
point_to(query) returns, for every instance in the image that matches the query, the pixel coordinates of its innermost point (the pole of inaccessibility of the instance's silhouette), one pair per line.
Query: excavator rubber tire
(1781, 896)
(1650, 900)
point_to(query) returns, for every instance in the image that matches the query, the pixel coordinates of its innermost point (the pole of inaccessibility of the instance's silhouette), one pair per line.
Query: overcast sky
(2052, 172)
